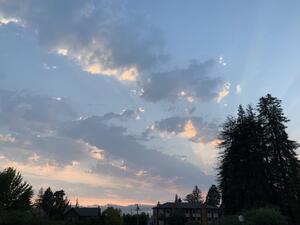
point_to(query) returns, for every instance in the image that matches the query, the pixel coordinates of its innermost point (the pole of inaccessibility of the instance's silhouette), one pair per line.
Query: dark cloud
(118, 144)
(58, 150)
(104, 36)
(124, 115)
(33, 120)
(22, 111)
(199, 129)
(99, 32)
(193, 82)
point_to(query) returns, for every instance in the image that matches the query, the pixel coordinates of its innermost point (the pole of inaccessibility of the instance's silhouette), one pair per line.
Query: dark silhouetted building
(198, 212)
(77, 213)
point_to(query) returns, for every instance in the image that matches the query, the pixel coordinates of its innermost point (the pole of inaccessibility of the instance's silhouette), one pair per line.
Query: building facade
(76, 214)
(196, 212)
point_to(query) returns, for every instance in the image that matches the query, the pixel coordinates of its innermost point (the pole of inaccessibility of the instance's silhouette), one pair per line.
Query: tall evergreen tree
(241, 176)
(213, 196)
(39, 199)
(282, 165)
(53, 203)
(47, 201)
(15, 193)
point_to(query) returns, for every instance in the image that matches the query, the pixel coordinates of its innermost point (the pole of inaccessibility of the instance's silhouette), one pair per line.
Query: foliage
(195, 196)
(132, 219)
(24, 218)
(264, 216)
(242, 180)
(177, 217)
(261, 216)
(258, 164)
(213, 196)
(53, 204)
(89, 221)
(228, 220)
(192, 223)
(14, 192)
(112, 216)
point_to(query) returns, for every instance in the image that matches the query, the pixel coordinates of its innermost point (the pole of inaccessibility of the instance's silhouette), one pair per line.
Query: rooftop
(184, 205)
(85, 212)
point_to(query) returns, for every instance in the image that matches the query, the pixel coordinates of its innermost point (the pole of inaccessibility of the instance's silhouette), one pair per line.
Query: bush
(264, 216)
(228, 220)
(193, 223)
(261, 216)
(24, 218)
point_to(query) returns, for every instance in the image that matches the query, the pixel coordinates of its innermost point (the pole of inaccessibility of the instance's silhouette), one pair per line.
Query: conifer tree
(241, 172)
(15, 194)
(282, 165)
(213, 196)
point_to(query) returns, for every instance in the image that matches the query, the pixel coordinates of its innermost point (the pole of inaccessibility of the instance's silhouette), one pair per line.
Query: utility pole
(137, 214)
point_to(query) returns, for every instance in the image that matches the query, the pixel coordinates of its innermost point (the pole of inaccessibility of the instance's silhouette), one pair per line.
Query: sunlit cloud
(5, 21)
(93, 151)
(238, 89)
(207, 153)
(98, 69)
(142, 173)
(189, 130)
(7, 138)
(69, 173)
(129, 75)
(62, 51)
(192, 128)
(34, 157)
(115, 199)
(223, 92)
(221, 61)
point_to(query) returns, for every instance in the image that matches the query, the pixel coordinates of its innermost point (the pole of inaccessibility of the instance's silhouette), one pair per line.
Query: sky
(121, 101)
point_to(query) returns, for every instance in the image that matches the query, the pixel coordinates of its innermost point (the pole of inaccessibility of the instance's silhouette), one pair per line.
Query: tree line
(17, 207)
(258, 162)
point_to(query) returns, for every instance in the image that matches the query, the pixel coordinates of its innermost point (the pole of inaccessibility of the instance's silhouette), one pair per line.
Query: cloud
(69, 173)
(48, 144)
(101, 36)
(105, 37)
(5, 21)
(207, 153)
(134, 156)
(193, 128)
(7, 138)
(25, 112)
(192, 83)
(125, 114)
(223, 92)
(238, 89)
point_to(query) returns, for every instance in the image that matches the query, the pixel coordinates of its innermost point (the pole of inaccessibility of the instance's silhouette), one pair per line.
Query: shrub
(228, 220)
(193, 223)
(264, 216)
(24, 218)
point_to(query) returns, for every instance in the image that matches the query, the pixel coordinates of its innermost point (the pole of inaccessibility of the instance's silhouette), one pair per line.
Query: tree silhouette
(241, 172)
(258, 163)
(213, 196)
(14, 192)
(282, 165)
(112, 216)
(53, 204)
(195, 196)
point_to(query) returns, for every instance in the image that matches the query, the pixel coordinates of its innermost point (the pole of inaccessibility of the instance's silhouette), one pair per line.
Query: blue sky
(111, 99)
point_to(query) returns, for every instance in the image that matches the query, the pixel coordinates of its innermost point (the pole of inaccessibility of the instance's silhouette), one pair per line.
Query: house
(77, 213)
(203, 213)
